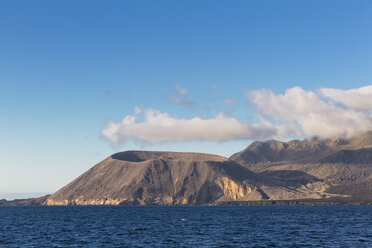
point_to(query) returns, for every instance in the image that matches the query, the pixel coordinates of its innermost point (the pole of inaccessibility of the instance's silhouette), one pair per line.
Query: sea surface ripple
(186, 226)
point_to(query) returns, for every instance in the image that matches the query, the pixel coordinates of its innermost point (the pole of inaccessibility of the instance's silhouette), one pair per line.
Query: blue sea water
(186, 226)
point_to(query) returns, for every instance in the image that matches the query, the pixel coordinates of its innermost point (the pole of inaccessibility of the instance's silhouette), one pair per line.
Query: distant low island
(310, 171)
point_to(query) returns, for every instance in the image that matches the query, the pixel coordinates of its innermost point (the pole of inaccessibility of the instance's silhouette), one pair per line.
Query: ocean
(186, 226)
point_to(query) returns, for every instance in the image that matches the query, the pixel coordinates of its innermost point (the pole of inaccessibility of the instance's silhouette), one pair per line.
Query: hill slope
(140, 177)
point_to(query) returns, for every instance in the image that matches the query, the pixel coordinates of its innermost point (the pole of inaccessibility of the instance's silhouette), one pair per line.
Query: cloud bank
(341, 115)
(159, 127)
(326, 113)
(360, 99)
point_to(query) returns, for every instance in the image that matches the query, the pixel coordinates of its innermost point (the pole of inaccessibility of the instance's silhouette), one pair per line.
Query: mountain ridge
(313, 150)
(271, 172)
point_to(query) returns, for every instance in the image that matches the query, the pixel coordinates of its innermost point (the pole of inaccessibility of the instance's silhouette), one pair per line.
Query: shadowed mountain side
(289, 178)
(273, 151)
(341, 179)
(359, 156)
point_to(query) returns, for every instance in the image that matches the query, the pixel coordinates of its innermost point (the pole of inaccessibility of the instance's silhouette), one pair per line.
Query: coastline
(327, 201)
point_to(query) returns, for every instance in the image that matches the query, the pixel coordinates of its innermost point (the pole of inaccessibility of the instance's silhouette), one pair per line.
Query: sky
(81, 80)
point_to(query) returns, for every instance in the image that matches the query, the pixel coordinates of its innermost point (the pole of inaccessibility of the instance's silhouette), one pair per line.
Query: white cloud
(180, 90)
(360, 98)
(159, 127)
(313, 115)
(326, 113)
(137, 110)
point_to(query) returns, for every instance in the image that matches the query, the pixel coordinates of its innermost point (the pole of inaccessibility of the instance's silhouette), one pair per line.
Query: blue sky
(68, 67)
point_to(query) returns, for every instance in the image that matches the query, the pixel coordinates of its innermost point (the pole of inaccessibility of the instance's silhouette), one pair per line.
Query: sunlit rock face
(231, 189)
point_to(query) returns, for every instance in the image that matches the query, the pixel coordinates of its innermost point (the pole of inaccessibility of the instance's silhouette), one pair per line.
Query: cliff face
(138, 177)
